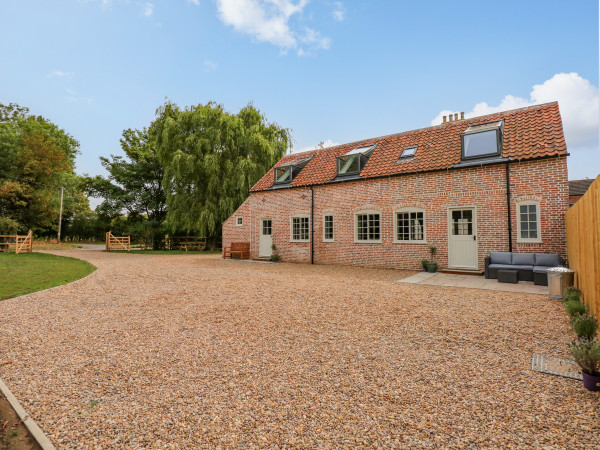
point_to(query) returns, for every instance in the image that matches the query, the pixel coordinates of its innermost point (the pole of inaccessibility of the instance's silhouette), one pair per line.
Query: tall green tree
(134, 186)
(211, 160)
(36, 159)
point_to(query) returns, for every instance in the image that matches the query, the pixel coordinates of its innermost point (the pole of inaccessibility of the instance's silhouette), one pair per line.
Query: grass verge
(30, 272)
(48, 245)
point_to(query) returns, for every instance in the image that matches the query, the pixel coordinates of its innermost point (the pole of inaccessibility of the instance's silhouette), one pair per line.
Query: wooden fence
(16, 243)
(185, 243)
(117, 243)
(583, 245)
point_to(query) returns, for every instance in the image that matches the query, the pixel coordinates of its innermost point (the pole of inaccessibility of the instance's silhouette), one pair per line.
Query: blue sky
(331, 71)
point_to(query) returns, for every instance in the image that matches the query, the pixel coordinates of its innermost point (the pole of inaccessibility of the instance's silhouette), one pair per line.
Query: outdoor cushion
(511, 266)
(523, 259)
(541, 268)
(500, 257)
(544, 259)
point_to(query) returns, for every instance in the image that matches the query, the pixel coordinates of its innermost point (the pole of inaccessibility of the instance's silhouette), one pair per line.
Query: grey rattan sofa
(529, 266)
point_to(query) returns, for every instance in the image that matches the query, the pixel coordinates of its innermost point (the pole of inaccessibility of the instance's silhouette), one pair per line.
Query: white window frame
(367, 241)
(299, 216)
(537, 240)
(409, 210)
(333, 225)
(239, 221)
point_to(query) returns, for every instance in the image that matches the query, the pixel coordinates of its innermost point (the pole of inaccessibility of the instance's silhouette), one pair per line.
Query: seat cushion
(500, 258)
(547, 259)
(542, 269)
(511, 266)
(523, 258)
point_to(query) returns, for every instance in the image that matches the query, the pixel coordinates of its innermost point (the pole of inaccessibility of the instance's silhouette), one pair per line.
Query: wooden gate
(583, 245)
(16, 243)
(117, 243)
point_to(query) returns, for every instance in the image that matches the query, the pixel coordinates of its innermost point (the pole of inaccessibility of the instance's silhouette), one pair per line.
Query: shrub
(572, 293)
(575, 307)
(424, 263)
(584, 325)
(587, 354)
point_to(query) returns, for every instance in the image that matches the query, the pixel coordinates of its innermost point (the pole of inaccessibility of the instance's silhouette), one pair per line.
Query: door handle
(474, 238)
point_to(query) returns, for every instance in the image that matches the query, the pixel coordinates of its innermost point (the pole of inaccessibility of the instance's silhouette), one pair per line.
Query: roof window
(286, 173)
(482, 140)
(408, 152)
(353, 162)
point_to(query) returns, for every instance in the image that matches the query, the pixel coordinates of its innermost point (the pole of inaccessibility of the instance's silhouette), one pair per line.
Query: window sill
(299, 241)
(356, 241)
(529, 241)
(410, 242)
(328, 240)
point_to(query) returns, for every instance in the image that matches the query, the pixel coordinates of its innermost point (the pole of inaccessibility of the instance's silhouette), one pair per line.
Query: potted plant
(587, 354)
(274, 255)
(432, 265)
(424, 265)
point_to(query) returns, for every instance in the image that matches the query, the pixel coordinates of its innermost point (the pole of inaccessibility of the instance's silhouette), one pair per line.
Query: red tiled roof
(529, 133)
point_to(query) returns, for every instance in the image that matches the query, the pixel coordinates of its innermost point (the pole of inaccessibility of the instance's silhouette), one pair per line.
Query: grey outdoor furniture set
(510, 267)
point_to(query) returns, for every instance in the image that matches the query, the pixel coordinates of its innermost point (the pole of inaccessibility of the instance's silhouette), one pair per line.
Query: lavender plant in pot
(424, 264)
(587, 354)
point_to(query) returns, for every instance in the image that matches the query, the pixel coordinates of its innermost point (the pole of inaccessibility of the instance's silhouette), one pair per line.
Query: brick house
(380, 202)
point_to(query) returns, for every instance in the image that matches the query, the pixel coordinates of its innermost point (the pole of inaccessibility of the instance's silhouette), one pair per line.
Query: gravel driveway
(190, 350)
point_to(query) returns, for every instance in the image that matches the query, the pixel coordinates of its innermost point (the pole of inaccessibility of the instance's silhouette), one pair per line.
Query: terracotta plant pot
(591, 382)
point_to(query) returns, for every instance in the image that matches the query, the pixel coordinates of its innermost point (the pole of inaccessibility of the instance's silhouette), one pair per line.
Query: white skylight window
(408, 152)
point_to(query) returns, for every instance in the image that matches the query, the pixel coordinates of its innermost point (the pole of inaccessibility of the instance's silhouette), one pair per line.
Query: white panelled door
(462, 238)
(266, 237)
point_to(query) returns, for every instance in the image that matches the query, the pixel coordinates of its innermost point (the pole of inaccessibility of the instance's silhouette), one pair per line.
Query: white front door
(266, 237)
(462, 238)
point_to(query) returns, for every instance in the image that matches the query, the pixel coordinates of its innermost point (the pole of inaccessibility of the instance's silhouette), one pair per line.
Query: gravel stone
(189, 351)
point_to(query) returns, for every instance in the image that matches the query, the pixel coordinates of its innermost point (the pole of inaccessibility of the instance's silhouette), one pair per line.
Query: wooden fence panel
(583, 245)
(117, 243)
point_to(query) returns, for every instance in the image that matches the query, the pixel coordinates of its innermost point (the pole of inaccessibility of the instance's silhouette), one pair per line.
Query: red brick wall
(483, 187)
(574, 198)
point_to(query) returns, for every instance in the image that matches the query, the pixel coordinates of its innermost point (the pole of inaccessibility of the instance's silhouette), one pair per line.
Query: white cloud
(322, 144)
(61, 74)
(147, 10)
(210, 66)
(270, 21)
(577, 98)
(338, 11)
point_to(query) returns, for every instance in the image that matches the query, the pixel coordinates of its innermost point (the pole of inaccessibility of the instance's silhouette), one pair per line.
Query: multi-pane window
(410, 226)
(300, 228)
(240, 221)
(528, 222)
(328, 227)
(462, 222)
(368, 227)
(267, 227)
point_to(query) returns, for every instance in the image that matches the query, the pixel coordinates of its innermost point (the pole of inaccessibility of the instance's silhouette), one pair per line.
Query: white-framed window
(528, 221)
(300, 228)
(409, 225)
(367, 226)
(328, 228)
(239, 221)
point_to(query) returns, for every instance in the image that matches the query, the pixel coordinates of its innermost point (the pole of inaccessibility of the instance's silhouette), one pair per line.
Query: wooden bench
(238, 248)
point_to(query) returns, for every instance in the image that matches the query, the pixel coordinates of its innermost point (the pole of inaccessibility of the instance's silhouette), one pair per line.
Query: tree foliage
(36, 159)
(211, 160)
(134, 186)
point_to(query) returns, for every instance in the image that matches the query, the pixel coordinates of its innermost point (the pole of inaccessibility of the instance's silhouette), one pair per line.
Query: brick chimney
(453, 118)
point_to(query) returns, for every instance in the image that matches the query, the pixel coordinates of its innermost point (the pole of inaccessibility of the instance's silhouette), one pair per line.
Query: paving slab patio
(473, 282)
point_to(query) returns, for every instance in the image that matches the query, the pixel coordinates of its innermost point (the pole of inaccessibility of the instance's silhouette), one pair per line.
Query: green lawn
(30, 272)
(170, 252)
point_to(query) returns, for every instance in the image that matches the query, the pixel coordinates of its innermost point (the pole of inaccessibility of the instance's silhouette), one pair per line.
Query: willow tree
(211, 159)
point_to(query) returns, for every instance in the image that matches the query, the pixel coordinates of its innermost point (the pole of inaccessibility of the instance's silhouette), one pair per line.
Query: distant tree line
(184, 174)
